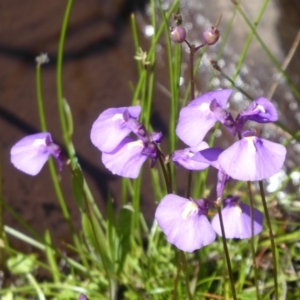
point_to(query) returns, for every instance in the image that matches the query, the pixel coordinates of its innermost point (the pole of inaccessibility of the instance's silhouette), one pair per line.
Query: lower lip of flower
(190, 208)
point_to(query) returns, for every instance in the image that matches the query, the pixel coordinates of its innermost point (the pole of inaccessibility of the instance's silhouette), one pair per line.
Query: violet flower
(237, 220)
(31, 153)
(252, 158)
(260, 110)
(185, 222)
(196, 119)
(113, 125)
(185, 159)
(127, 159)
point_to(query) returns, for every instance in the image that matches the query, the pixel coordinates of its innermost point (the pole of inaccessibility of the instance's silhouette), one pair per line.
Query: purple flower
(31, 153)
(260, 110)
(127, 159)
(121, 154)
(185, 222)
(209, 156)
(237, 220)
(252, 158)
(113, 125)
(197, 118)
(185, 159)
(83, 297)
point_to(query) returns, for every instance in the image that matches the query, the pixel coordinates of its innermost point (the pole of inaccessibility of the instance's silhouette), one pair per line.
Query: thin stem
(192, 97)
(40, 97)
(177, 278)
(59, 81)
(227, 254)
(252, 241)
(165, 173)
(2, 233)
(263, 198)
(186, 275)
(189, 184)
(98, 244)
(53, 173)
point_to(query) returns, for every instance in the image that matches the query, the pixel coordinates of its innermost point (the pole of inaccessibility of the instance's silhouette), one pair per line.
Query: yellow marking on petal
(190, 208)
(238, 209)
(39, 142)
(251, 146)
(134, 144)
(260, 108)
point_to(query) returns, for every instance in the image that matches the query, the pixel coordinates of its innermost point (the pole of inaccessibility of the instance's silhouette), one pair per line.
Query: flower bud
(177, 34)
(211, 36)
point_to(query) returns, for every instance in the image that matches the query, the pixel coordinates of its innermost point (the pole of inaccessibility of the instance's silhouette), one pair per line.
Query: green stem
(40, 97)
(192, 97)
(59, 80)
(186, 275)
(272, 237)
(252, 241)
(53, 173)
(165, 173)
(61, 107)
(227, 257)
(177, 277)
(268, 52)
(2, 233)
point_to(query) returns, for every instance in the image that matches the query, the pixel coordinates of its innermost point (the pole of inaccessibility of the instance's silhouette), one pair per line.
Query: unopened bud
(211, 36)
(177, 34)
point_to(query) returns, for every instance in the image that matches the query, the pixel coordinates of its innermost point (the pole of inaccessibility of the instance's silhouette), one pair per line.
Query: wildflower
(237, 220)
(113, 125)
(252, 158)
(196, 119)
(31, 153)
(122, 154)
(260, 110)
(185, 159)
(83, 297)
(185, 222)
(127, 159)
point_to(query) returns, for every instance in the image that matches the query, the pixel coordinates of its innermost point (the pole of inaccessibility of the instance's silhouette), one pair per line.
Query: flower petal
(237, 220)
(252, 159)
(110, 127)
(260, 110)
(31, 153)
(185, 159)
(127, 159)
(209, 156)
(196, 119)
(184, 224)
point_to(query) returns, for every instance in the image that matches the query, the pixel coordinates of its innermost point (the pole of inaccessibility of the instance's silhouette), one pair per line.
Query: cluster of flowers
(184, 221)
(126, 144)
